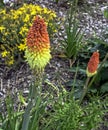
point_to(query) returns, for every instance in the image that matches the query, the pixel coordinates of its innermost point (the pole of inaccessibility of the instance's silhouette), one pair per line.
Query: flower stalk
(35, 95)
(85, 89)
(91, 70)
(88, 84)
(37, 55)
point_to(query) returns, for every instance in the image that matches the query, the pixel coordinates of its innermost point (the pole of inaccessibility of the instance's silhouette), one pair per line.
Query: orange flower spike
(38, 32)
(93, 64)
(38, 45)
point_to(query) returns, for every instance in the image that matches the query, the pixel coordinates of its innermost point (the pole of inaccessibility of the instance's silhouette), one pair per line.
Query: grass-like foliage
(10, 117)
(72, 42)
(69, 115)
(53, 112)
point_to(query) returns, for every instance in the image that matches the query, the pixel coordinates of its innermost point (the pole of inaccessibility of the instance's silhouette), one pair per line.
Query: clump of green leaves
(56, 109)
(13, 115)
(72, 42)
(68, 114)
(10, 117)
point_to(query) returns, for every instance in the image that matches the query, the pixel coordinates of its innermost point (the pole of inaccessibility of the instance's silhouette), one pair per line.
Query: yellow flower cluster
(4, 53)
(22, 47)
(9, 59)
(15, 24)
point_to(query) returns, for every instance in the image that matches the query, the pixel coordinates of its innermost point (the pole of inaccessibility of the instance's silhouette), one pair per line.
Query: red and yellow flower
(38, 45)
(93, 64)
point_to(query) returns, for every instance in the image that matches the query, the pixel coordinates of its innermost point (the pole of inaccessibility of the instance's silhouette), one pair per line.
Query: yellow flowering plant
(14, 26)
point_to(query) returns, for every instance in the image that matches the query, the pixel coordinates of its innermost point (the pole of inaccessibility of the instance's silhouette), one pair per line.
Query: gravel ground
(92, 21)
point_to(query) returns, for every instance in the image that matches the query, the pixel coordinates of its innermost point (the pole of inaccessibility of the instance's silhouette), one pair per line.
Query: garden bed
(57, 72)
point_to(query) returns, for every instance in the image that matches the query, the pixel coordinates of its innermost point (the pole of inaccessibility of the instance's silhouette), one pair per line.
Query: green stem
(84, 90)
(33, 97)
(75, 77)
(27, 111)
(37, 105)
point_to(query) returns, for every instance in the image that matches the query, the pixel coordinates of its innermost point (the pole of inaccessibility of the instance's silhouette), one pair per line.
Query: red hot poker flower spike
(38, 45)
(38, 36)
(93, 64)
